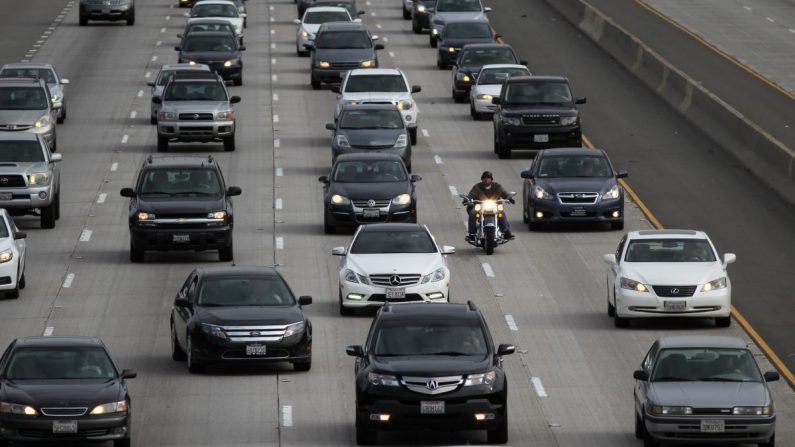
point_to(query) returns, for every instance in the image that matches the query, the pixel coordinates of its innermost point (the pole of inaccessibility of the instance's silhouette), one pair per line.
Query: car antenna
(149, 159)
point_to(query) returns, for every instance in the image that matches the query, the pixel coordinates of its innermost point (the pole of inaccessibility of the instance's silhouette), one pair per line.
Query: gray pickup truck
(30, 182)
(196, 107)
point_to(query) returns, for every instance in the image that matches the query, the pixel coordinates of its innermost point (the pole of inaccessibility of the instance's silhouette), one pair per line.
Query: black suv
(180, 203)
(536, 112)
(430, 366)
(472, 58)
(339, 47)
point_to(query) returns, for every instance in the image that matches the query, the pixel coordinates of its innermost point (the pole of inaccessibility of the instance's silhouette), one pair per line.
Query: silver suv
(42, 71)
(30, 182)
(196, 107)
(26, 106)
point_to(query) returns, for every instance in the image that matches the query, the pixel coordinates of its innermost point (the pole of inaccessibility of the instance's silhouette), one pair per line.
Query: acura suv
(339, 47)
(430, 366)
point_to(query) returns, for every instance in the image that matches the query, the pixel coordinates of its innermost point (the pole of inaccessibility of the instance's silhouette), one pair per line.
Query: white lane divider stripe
(372, 14)
(102, 196)
(133, 114)
(277, 143)
(154, 58)
(48, 331)
(279, 203)
(425, 133)
(270, 7)
(378, 25)
(158, 43)
(275, 96)
(770, 20)
(279, 172)
(453, 191)
(85, 236)
(539, 387)
(747, 8)
(274, 77)
(385, 39)
(487, 270)
(287, 415)
(273, 46)
(67, 282)
(511, 322)
(140, 93)
(273, 31)
(273, 19)
(280, 243)
(438, 160)
(125, 138)
(147, 74)
(275, 118)
(168, 17)
(273, 61)
(162, 30)
(791, 30)
(114, 166)
(391, 54)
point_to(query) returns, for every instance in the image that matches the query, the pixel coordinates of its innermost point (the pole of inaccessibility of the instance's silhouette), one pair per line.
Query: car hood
(62, 393)
(377, 96)
(237, 22)
(372, 137)
(709, 394)
(195, 106)
(24, 117)
(249, 315)
(311, 28)
(338, 55)
(23, 167)
(460, 42)
(487, 89)
(431, 366)
(673, 273)
(555, 185)
(202, 57)
(451, 16)
(367, 191)
(519, 110)
(415, 263)
(181, 204)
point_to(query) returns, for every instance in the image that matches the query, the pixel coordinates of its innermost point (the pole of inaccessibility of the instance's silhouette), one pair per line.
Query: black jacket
(479, 192)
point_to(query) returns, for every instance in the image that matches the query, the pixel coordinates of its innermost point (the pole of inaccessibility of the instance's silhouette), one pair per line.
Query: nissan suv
(26, 106)
(196, 107)
(339, 47)
(536, 112)
(112, 10)
(30, 182)
(431, 366)
(180, 203)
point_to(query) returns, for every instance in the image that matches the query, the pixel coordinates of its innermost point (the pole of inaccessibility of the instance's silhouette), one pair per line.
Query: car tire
(620, 322)
(227, 254)
(639, 427)
(611, 310)
(617, 225)
(364, 435)
(503, 152)
(136, 254)
(61, 116)
(433, 41)
(723, 321)
(229, 143)
(54, 147)
(177, 354)
(413, 136)
(489, 240)
(48, 216)
(131, 19)
(477, 116)
(440, 65)
(499, 435)
(302, 366)
(239, 81)
(83, 20)
(193, 366)
(13, 293)
(22, 282)
(770, 443)
(162, 144)
(344, 311)
(300, 53)
(406, 14)
(416, 28)
(57, 203)
(124, 442)
(328, 226)
(315, 83)
(152, 120)
(648, 440)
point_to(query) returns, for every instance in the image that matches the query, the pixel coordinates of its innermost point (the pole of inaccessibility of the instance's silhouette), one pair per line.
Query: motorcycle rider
(488, 189)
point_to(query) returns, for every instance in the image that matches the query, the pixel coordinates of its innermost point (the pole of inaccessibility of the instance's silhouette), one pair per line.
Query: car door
(642, 386)
(21, 247)
(527, 189)
(614, 271)
(182, 315)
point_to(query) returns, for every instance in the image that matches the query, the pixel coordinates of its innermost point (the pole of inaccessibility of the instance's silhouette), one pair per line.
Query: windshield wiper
(719, 379)
(157, 192)
(671, 379)
(199, 193)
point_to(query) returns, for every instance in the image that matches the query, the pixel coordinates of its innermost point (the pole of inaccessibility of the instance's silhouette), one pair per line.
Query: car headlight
(213, 330)
(421, 8)
(55, 98)
(6, 256)
(484, 96)
(304, 33)
(568, 120)
(231, 62)
(192, 62)
(354, 277)
(382, 379)
(44, 121)
(631, 284)
(342, 141)
(612, 193)
(401, 141)
(370, 63)
(145, 216)
(719, 283)
(487, 378)
(541, 193)
(403, 199)
(9, 408)
(511, 121)
(337, 199)
(113, 407)
(437, 275)
(225, 116)
(754, 411)
(404, 104)
(462, 77)
(294, 329)
(238, 30)
(435, 31)
(217, 215)
(323, 64)
(39, 179)
(667, 410)
(451, 49)
(167, 116)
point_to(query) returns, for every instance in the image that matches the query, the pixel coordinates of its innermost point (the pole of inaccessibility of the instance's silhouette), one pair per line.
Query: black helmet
(486, 174)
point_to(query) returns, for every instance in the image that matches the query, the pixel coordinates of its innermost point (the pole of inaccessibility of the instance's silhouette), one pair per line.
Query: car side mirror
(359, 13)
(416, 89)
(379, 46)
(331, 126)
(506, 349)
(339, 251)
(181, 302)
(55, 158)
(487, 9)
(415, 178)
(150, 83)
(527, 174)
(129, 374)
(523, 62)
(771, 376)
(580, 101)
(243, 15)
(304, 300)
(495, 101)
(622, 173)
(609, 259)
(234, 191)
(234, 100)
(157, 100)
(375, 37)
(64, 81)
(20, 235)
(355, 351)
(335, 89)
(323, 179)
(729, 258)
(177, 48)
(448, 250)
(297, 21)
(179, 36)
(242, 48)
(641, 375)
(127, 192)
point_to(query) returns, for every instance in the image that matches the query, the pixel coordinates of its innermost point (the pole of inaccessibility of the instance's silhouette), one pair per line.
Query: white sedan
(222, 9)
(668, 273)
(12, 256)
(311, 21)
(395, 263)
(488, 86)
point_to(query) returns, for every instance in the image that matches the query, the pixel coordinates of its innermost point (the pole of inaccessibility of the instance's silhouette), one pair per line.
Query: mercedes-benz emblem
(4, 180)
(432, 384)
(255, 333)
(371, 203)
(674, 291)
(394, 280)
(195, 116)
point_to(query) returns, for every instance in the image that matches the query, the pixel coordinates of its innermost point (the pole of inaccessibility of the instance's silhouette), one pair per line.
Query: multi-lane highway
(571, 380)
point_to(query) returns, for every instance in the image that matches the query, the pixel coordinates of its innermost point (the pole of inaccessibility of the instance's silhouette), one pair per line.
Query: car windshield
(181, 181)
(197, 27)
(376, 83)
(245, 291)
(500, 75)
(343, 39)
(467, 31)
(347, 5)
(215, 10)
(538, 93)
(371, 119)
(60, 363)
(210, 44)
(486, 56)
(36, 73)
(376, 242)
(706, 364)
(574, 166)
(669, 250)
(23, 98)
(166, 75)
(195, 91)
(321, 17)
(20, 151)
(457, 5)
(451, 337)
(378, 171)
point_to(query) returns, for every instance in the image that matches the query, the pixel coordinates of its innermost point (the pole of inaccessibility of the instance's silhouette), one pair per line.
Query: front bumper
(348, 215)
(530, 137)
(9, 272)
(483, 105)
(107, 12)
(300, 41)
(40, 428)
(743, 430)
(196, 131)
(163, 239)
(404, 412)
(402, 152)
(421, 19)
(208, 349)
(331, 75)
(554, 211)
(25, 200)
(358, 295)
(632, 304)
(462, 87)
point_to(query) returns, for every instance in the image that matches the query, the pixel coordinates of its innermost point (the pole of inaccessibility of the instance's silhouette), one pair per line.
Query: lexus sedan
(668, 273)
(309, 25)
(392, 263)
(703, 389)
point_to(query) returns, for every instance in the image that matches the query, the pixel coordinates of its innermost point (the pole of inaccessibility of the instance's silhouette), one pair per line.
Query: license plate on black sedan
(432, 407)
(256, 350)
(61, 427)
(371, 213)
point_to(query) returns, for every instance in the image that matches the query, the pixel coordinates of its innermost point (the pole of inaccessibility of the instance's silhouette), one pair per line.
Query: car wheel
(648, 440)
(328, 225)
(194, 367)
(617, 225)
(620, 322)
(13, 293)
(499, 435)
(239, 81)
(124, 442)
(22, 282)
(503, 151)
(315, 83)
(54, 147)
(227, 254)
(131, 19)
(433, 41)
(416, 28)
(344, 311)
(364, 435)
(61, 116)
(611, 310)
(83, 20)
(413, 136)
(152, 120)
(177, 354)
(63, 113)
(770, 443)
(477, 116)
(302, 366)
(136, 254)
(406, 14)
(639, 428)
(440, 65)
(229, 143)
(723, 321)
(57, 203)
(300, 53)
(48, 216)
(162, 144)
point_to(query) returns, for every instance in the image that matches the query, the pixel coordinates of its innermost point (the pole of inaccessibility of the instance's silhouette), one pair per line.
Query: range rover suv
(430, 366)
(111, 10)
(180, 203)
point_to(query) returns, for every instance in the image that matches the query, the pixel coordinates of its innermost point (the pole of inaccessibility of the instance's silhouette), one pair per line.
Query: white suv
(379, 86)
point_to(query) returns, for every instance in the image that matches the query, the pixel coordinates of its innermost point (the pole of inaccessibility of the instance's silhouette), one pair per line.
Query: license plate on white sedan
(713, 426)
(675, 306)
(395, 293)
(370, 213)
(255, 350)
(432, 407)
(64, 426)
(541, 138)
(180, 238)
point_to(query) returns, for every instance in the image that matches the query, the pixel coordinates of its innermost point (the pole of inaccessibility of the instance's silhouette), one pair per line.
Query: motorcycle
(487, 231)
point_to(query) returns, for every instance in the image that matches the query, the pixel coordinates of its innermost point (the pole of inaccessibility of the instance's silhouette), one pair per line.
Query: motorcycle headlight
(231, 62)
(754, 411)
(541, 193)
(342, 141)
(213, 330)
(145, 216)
(44, 121)
(217, 215)
(404, 104)
(401, 141)
(612, 194)
(487, 378)
(719, 283)
(370, 63)
(421, 8)
(568, 120)
(323, 64)
(403, 199)
(382, 379)
(511, 121)
(484, 96)
(488, 205)
(668, 410)
(9, 408)
(225, 116)
(337, 199)
(631, 284)
(6, 256)
(167, 116)
(294, 329)
(39, 179)
(113, 407)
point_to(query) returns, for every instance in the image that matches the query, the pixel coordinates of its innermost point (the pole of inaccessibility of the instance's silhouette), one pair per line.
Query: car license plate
(64, 426)
(181, 238)
(675, 306)
(371, 212)
(713, 426)
(6, 195)
(578, 212)
(395, 293)
(256, 350)
(541, 138)
(431, 407)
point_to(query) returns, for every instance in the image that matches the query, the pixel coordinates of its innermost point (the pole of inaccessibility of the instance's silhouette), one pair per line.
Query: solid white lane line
(140, 93)
(391, 54)
(770, 20)
(287, 415)
(487, 270)
(279, 172)
(162, 30)
(133, 114)
(273, 46)
(274, 77)
(539, 387)
(114, 166)
(101, 197)
(453, 191)
(378, 25)
(154, 58)
(85, 236)
(48, 331)
(147, 74)
(277, 143)
(275, 118)
(67, 282)
(125, 138)
(511, 322)
(438, 160)
(280, 243)
(275, 96)
(279, 203)
(425, 133)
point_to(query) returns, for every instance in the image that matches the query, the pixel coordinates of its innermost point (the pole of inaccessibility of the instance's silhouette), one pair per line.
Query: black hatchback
(339, 47)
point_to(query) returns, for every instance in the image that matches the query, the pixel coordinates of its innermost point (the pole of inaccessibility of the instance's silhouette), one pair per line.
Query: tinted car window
(467, 30)
(321, 17)
(202, 10)
(196, 27)
(706, 364)
(540, 92)
(487, 56)
(372, 242)
(195, 91)
(375, 83)
(457, 5)
(248, 291)
(371, 119)
(430, 338)
(210, 43)
(580, 166)
(60, 363)
(22, 98)
(343, 39)
(4, 233)
(669, 250)
(347, 5)
(40, 73)
(369, 172)
(185, 181)
(499, 75)
(20, 151)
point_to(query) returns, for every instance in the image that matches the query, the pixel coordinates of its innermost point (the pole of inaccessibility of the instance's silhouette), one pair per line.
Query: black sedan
(63, 389)
(457, 34)
(572, 185)
(368, 188)
(421, 13)
(239, 314)
(472, 58)
(217, 49)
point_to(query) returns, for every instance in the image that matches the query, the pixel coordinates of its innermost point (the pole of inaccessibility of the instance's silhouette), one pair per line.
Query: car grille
(578, 197)
(674, 291)
(185, 221)
(344, 65)
(257, 333)
(195, 116)
(716, 411)
(65, 411)
(432, 385)
(14, 127)
(197, 131)
(376, 203)
(394, 280)
(381, 146)
(540, 119)
(5, 280)
(106, 2)
(12, 181)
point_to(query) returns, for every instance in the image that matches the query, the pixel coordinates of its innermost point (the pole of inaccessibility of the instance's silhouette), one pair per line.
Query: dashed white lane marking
(114, 166)
(453, 191)
(85, 236)
(140, 93)
(273, 46)
(438, 160)
(39, 41)
(372, 14)
(279, 203)
(277, 143)
(378, 25)
(275, 118)
(101, 197)
(67, 282)
(487, 270)
(275, 96)
(367, 3)
(154, 58)
(133, 114)
(125, 138)
(287, 415)
(279, 172)
(36, 45)
(425, 133)
(769, 19)
(385, 39)
(391, 54)
(511, 322)
(162, 30)
(273, 19)
(270, 7)
(280, 243)
(274, 77)
(273, 61)
(791, 30)
(48, 331)
(539, 387)
(747, 8)
(158, 43)
(168, 17)
(147, 74)
(273, 31)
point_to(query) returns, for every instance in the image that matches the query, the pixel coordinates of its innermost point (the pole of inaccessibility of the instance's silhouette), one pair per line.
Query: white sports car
(392, 262)
(667, 273)
(12, 256)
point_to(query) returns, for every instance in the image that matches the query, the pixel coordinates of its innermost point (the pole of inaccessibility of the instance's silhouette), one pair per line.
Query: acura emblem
(371, 203)
(255, 333)
(195, 116)
(674, 291)
(394, 280)
(432, 384)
